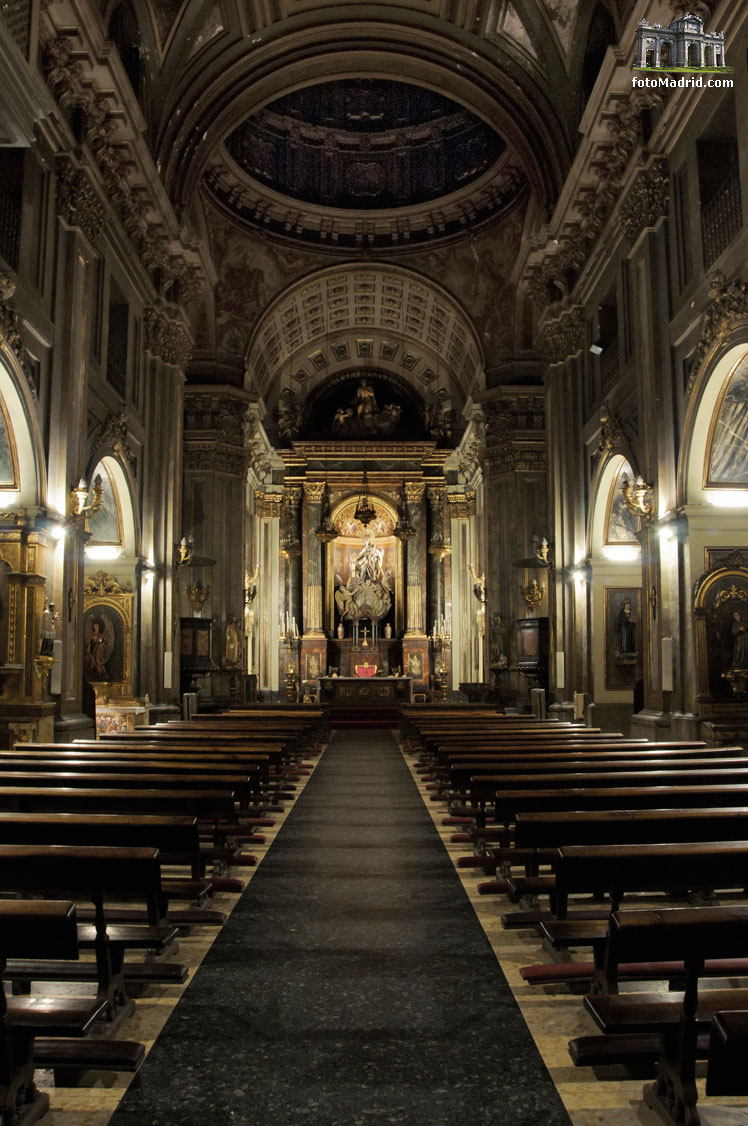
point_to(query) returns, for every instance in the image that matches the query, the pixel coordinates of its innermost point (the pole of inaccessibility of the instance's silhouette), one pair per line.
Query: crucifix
(365, 643)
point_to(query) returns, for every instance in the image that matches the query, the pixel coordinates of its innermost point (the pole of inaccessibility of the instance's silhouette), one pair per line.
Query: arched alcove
(22, 478)
(615, 589)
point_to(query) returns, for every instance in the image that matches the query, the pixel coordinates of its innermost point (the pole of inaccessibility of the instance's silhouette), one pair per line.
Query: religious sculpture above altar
(368, 591)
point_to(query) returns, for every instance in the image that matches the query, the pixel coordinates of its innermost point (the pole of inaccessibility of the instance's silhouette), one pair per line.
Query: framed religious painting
(623, 648)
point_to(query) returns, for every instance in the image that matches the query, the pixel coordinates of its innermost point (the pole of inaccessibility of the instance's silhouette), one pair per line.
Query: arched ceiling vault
(360, 316)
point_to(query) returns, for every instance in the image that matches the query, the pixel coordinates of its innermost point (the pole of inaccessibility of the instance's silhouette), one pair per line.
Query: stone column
(313, 558)
(440, 546)
(80, 220)
(414, 566)
(290, 547)
(168, 347)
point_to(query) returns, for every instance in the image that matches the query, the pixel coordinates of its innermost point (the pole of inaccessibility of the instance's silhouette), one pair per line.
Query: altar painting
(623, 656)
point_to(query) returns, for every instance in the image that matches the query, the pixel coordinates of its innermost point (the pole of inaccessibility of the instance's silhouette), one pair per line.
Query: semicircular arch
(359, 314)
(25, 478)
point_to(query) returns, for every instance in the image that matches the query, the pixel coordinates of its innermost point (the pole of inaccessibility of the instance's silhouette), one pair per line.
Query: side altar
(363, 691)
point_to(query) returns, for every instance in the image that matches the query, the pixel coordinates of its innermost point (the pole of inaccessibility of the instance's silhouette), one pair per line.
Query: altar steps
(379, 717)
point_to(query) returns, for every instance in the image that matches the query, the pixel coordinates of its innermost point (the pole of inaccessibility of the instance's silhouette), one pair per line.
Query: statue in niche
(233, 648)
(363, 418)
(739, 630)
(368, 592)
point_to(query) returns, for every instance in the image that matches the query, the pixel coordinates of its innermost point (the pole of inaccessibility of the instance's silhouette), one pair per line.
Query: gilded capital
(414, 491)
(314, 491)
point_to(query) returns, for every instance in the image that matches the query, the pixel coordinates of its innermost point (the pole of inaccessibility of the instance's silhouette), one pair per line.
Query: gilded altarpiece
(26, 711)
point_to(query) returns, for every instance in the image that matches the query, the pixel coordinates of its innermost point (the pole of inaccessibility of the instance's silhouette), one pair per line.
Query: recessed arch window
(727, 461)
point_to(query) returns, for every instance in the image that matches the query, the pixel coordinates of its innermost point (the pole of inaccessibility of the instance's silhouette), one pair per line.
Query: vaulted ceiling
(293, 136)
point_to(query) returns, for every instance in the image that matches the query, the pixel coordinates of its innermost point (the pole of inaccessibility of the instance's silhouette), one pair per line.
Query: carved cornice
(69, 72)
(517, 456)
(461, 506)
(77, 201)
(513, 412)
(563, 336)
(551, 275)
(648, 199)
(728, 305)
(166, 338)
(268, 505)
(215, 457)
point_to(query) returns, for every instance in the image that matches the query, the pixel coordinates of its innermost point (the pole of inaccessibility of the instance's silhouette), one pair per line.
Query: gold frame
(121, 604)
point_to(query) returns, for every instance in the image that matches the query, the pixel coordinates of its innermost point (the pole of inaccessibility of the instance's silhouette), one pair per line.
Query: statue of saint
(368, 564)
(49, 630)
(365, 403)
(233, 647)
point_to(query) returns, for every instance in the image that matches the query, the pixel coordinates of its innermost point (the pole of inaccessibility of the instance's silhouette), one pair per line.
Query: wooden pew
(94, 874)
(44, 930)
(690, 935)
(617, 869)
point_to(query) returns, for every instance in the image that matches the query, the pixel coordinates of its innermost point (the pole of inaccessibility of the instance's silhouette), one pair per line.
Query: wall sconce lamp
(80, 511)
(638, 497)
(185, 551)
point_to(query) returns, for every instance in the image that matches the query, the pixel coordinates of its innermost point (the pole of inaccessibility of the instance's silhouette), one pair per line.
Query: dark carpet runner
(352, 984)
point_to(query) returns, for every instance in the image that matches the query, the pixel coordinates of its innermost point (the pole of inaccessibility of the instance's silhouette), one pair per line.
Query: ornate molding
(215, 457)
(728, 304)
(648, 199)
(611, 430)
(461, 506)
(117, 160)
(268, 506)
(114, 437)
(552, 274)
(563, 336)
(77, 202)
(166, 338)
(10, 335)
(104, 583)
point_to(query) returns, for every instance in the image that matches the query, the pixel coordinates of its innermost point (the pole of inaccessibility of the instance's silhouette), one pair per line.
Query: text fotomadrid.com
(684, 82)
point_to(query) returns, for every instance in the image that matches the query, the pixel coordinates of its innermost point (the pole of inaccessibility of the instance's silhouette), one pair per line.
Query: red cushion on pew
(226, 883)
(493, 887)
(460, 838)
(633, 971)
(484, 862)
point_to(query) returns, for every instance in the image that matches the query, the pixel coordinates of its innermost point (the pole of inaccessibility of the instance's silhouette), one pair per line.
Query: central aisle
(352, 983)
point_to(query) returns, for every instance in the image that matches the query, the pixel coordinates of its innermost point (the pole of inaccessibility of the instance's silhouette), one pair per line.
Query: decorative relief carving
(414, 491)
(166, 338)
(563, 336)
(10, 335)
(611, 431)
(114, 437)
(71, 84)
(553, 276)
(728, 304)
(268, 505)
(648, 199)
(461, 506)
(215, 456)
(104, 583)
(314, 491)
(77, 201)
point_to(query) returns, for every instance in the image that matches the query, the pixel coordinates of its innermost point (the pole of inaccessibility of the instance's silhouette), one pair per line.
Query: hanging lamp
(365, 510)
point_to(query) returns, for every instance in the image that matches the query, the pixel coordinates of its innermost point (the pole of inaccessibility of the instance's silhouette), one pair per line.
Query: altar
(365, 692)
